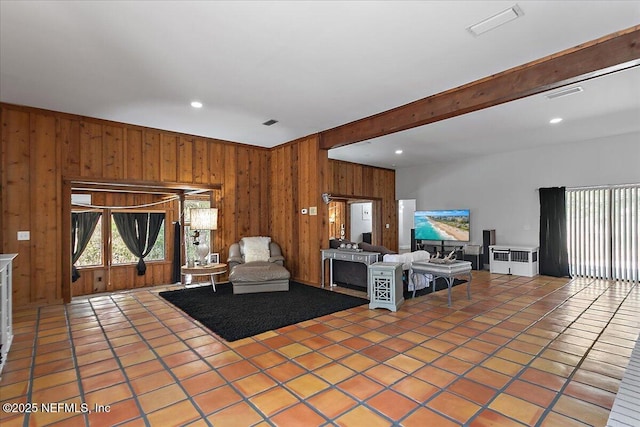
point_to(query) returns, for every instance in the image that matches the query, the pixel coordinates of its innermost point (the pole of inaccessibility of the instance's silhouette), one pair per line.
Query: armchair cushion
(255, 248)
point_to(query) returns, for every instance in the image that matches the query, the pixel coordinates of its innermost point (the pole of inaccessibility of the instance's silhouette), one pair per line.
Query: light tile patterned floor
(524, 351)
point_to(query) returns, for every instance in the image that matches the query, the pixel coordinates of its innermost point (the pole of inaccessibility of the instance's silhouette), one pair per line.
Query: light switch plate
(313, 210)
(24, 235)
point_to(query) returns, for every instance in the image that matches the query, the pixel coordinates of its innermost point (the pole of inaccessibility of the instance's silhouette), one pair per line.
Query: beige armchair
(256, 264)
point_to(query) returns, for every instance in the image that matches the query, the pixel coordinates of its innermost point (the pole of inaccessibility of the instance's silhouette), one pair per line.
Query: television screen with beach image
(450, 224)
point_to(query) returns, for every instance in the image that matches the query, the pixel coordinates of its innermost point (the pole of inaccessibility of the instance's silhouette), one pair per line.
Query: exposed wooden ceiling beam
(599, 57)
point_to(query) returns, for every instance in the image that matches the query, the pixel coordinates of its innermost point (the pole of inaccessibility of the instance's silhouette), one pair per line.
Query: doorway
(354, 219)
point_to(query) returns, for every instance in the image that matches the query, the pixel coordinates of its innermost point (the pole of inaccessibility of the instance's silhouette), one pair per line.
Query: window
(92, 254)
(602, 227)
(120, 254)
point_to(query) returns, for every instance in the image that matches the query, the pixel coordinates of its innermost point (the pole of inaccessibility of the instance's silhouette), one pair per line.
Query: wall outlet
(24, 235)
(387, 225)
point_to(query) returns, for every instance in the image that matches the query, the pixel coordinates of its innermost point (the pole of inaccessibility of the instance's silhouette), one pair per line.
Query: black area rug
(234, 317)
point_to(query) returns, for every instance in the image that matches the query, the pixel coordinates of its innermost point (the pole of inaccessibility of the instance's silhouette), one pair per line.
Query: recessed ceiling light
(398, 151)
(555, 120)
(196, 104)
(496, 20)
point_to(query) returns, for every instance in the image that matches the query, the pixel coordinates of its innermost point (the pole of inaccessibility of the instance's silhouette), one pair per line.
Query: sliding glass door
(603, 224)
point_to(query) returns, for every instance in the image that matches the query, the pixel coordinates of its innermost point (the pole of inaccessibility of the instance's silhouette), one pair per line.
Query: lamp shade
(204, 219)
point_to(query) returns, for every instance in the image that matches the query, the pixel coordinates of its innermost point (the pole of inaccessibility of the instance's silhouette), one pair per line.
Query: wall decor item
(366, 213)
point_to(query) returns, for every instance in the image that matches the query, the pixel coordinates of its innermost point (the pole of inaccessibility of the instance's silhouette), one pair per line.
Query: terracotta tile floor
(524, 351)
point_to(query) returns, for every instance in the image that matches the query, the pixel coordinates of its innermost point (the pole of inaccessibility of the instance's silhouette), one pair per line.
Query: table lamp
(203, 219)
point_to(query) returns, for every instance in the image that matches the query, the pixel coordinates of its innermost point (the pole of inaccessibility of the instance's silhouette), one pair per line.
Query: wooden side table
(211, 270)
(385, 285)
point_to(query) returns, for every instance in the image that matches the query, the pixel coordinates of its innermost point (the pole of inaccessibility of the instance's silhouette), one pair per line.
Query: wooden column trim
(608, 54)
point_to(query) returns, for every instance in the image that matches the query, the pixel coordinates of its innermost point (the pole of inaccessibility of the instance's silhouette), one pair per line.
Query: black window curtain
(139, 232)
(82, 226)
(177, 244)
(554, 258)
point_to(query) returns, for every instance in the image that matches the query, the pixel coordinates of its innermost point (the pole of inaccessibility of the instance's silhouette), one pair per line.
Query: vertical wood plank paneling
(151, 156)
(357, 176)
(243, 193)
(185, 159)
(265, 200)
(168, 153)
(291, 226)
(255, 173)
(200, 168)
(43, 194)
(91, 160)
(303, 181)
(216, 153)
(230, 231)
(68, 139)
(216, 162)
(113, 152)
(134, 155)
(16, 203)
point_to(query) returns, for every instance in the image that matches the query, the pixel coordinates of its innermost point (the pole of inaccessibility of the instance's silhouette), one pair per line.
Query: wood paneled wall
(297, 174)
(262, 190)
(40, 148)
(301, 172)
(366, 182)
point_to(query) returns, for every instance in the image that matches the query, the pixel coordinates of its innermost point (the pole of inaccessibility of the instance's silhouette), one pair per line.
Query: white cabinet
(6, 321)
(385, 285)
(516, 260)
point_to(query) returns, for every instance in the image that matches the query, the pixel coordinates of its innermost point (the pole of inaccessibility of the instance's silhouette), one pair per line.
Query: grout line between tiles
(593, 343)
(117, 359)
(176, 380)
(75, 362)
(26, 421)
(498, 349)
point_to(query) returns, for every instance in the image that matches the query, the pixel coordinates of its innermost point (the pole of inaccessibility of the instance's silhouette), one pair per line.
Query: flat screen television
(442, 225)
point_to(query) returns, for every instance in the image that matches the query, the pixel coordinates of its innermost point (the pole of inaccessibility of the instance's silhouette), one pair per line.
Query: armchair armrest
(233, 261)
(278, 259)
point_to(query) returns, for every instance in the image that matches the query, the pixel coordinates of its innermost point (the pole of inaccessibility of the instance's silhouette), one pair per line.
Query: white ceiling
(312, 66)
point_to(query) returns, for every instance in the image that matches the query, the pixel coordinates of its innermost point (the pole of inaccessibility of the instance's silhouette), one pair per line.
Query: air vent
(565, 92)
(270, 122)
(496, 20)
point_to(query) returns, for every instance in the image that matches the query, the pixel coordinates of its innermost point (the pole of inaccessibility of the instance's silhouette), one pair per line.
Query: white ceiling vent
(565, 92)
(496, 20)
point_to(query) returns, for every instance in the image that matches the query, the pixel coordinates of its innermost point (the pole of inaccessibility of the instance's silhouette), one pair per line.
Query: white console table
(363, 257)
(6, 319)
